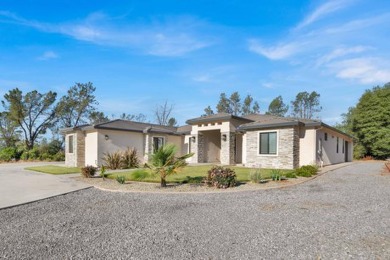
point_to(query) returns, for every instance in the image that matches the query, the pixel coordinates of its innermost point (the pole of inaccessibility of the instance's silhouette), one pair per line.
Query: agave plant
(163, 162)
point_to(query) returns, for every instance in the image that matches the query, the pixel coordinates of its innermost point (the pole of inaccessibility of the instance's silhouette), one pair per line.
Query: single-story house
(253, 140)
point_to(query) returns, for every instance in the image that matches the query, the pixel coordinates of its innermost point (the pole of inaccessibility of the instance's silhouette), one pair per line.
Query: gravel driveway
(342, 214)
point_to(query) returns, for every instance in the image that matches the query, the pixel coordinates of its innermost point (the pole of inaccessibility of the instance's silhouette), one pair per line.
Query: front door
(346, 151)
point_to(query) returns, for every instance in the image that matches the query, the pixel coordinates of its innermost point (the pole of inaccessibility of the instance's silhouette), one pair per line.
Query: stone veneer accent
(288, 149)
(200, 148)
(80, 149)
(227, 148)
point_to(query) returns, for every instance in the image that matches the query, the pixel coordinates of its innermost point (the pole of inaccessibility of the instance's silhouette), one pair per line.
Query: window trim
(277, 142)
(157, 136)
(68, 150)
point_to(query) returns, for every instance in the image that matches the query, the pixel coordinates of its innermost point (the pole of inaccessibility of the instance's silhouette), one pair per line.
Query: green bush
(9, 153)
(276, 175)
(113, 160)
(129, 159)
(121, 179)
(255, 175)
(290, 175)
(88, 171)
(306, 171)
(221, 177)
(59, 156)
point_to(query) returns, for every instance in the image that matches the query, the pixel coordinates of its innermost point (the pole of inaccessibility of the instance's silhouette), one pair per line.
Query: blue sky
(142, 53)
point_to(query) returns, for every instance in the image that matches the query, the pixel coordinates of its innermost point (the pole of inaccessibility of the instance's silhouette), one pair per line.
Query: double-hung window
(268, 143)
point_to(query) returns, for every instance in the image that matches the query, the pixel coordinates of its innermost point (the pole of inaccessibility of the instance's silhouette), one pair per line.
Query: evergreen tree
(371, 121)
(277, 107)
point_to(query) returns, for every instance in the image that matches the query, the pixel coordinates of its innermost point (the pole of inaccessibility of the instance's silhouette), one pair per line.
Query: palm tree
(164, 163)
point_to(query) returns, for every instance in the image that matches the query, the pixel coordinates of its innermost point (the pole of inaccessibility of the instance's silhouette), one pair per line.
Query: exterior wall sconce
(224, 137)
(193, 139)
(106, 137)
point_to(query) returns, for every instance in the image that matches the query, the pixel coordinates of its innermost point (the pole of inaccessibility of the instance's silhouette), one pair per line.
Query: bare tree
(163, 114)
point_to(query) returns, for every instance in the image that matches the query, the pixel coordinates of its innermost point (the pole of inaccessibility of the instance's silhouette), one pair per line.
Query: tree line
(305, 105)
(27, 117)
(369, 123)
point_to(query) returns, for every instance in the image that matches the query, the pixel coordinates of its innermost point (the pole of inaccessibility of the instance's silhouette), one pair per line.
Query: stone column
(227, 148)
(200, 147)
(80, 149)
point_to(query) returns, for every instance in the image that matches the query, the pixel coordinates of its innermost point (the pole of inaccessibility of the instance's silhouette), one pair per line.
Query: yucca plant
(130, 158)
(163, 162)
(113, 160)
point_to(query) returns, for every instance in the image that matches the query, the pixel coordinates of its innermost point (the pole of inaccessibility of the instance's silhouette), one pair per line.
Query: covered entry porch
(214, 140)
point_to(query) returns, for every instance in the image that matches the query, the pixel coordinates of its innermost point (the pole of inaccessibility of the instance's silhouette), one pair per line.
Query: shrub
(130, 159)
(113, 160)
(290, 174)
(221, 177)
(103, 171)
(121, 179)
(276, 175)
(255, 175)
(8, 153)
(306, 171)
(88, 171)
(59, 156)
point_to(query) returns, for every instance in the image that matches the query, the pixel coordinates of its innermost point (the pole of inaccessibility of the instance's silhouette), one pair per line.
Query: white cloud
(278, 52)
(321, 11)
(169, 37)
(202, 78)
(341, 52)
(48, 55)
(364, 70)
(268, 85)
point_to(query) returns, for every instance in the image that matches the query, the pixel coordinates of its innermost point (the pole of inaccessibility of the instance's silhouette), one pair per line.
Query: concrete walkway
(19, 186)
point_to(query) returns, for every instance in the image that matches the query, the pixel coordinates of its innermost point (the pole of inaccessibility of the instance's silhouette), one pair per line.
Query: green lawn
(54, 169)
(194, 172)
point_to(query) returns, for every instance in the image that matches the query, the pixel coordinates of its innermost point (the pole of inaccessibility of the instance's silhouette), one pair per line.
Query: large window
(158, 142)
(70, 144)
(268, 143)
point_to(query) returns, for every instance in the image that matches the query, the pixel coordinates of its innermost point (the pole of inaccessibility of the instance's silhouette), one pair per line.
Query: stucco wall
(118, 141)
(307, 149)
(91, 148)
(329, 146)
(287, 150)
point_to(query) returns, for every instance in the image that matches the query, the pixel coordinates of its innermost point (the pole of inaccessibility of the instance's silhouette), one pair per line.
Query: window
(70, 144)
(337, 145)
(326, 136)
(268, 143)
(158, 142)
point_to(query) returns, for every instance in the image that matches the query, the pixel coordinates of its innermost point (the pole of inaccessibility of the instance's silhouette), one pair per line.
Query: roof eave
(252, 127)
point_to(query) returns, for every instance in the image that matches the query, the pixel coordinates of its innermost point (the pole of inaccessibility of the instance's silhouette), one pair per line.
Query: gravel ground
(340, 215)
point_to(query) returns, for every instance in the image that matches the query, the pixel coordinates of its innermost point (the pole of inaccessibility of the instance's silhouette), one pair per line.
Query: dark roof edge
(337, 130)
(250, 127)
(213, 119)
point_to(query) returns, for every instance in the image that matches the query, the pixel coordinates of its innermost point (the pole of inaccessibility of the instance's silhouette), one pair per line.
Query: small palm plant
(163, 162)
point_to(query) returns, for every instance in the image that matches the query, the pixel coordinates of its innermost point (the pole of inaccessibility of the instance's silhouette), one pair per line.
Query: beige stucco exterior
(220, 142)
